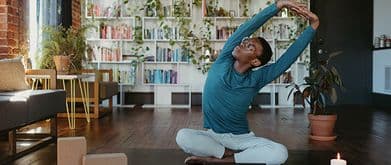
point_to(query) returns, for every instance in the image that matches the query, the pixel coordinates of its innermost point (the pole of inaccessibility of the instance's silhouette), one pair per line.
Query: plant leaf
(333, 95)
(323, 100)
(335, 54)
(290, 92)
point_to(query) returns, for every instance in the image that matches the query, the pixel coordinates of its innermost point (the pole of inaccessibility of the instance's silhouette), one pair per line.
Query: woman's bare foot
(193, 160)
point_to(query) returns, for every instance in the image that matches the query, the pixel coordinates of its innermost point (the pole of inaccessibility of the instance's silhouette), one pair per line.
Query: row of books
(168, 11)
(160, 76)
(122, 31)
(106, 54)
(161, 34)
(124, 76)
(98, 9)
(172, 55)
(225, 32)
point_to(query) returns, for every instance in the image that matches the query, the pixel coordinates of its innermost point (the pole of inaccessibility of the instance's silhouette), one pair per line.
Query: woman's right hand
(291, 4)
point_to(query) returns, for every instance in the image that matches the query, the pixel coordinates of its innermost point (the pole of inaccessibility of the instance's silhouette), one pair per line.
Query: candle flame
(338, 156)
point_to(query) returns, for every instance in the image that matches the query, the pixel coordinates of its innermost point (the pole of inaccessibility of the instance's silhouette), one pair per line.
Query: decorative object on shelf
(320, 86)
(153, 8)
(244, 4)
(382, 41)
(60, 41)
(232, 13)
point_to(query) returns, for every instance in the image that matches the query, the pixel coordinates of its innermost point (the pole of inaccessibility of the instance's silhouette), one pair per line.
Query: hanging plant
(245, 8)
(197, 3)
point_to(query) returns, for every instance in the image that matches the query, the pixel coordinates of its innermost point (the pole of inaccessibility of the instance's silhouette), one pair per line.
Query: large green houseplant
(320, 87)
(66, 45)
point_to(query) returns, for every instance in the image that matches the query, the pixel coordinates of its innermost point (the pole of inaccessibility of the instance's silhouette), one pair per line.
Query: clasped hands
(301, 10)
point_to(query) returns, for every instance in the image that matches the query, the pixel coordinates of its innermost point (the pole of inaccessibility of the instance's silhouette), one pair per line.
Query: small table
(84, 91)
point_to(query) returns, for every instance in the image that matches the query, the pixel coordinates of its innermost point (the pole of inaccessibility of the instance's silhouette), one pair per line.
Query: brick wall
(12, 27)
(76, 13)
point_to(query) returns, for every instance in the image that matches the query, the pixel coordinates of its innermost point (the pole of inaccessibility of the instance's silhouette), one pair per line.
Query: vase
(322, 127)
(62, 64)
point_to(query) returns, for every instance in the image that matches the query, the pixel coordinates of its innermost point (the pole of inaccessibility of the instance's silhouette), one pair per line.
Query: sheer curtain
(41, 13)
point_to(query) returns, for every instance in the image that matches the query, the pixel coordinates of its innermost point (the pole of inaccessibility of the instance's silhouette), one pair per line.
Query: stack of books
(169, 55)
(160, 76)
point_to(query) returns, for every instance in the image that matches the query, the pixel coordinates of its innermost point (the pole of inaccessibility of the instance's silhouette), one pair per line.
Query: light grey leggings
(253, 149)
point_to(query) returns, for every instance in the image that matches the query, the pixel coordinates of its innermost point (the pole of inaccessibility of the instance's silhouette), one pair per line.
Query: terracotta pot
(322, 127)
(62, 63)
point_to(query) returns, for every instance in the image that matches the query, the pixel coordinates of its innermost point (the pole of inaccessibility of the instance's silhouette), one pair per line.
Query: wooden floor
(147, 136)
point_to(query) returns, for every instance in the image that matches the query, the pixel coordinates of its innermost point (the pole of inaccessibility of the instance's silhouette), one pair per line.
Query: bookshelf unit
(174, 74)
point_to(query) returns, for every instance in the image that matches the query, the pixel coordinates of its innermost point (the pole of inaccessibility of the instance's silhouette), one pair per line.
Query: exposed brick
(3, 26)
(3, 41)
(4, 49)
(14, 2)
(13, 11)
(3, 33)
(76, 20)
(14, 20)
(3, 19)
(12, 42)
(3, 9)
(4, 2)
(13, 28)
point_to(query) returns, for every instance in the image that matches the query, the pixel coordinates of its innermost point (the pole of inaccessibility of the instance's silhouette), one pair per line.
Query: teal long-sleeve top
(227, 94)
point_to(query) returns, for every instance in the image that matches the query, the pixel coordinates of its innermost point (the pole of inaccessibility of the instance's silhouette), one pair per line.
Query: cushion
(13, 112)
(12, 75)
(40, 104)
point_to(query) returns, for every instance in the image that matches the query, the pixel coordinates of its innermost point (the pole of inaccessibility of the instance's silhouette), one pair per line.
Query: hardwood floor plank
(147, 136)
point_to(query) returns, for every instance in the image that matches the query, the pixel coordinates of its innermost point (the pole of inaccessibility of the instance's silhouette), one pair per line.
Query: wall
(381, 17)
(12, 27)
(347, 26)
(76, 11)
(381, 58)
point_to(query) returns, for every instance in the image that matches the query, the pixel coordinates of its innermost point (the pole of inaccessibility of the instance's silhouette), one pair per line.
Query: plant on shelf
(63, 48)
(211, 8)
(153, 8)
(139, 51)
(245, 8)
(197, 3)
(320, 86)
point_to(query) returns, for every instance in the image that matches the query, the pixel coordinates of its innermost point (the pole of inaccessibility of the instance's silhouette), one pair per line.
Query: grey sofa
(21, 108)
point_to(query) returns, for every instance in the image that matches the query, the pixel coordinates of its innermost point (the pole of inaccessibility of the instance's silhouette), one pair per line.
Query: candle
(337, 161)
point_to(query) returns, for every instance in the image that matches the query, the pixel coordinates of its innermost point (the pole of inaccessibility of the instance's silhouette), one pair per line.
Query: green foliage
(321, 85)
(61, 41)
(197, 3)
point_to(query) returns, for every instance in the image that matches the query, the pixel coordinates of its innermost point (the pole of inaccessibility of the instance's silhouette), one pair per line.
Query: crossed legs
(209, 146)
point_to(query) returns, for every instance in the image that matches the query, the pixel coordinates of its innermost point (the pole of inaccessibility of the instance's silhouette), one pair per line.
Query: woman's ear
(255, 62)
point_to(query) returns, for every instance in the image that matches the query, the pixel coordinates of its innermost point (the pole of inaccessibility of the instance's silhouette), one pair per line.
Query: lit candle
(337, 161)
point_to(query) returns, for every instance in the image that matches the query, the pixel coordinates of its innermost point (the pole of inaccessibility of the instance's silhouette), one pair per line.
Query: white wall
(381, 58)
(381, 17)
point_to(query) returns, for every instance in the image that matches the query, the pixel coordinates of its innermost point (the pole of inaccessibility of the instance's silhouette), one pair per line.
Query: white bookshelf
(189, 79)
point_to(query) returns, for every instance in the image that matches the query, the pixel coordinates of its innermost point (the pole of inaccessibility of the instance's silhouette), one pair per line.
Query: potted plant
(63, 48)
(320, 88)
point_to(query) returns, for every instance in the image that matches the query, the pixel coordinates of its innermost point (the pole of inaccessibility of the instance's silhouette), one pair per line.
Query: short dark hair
(267, 52)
